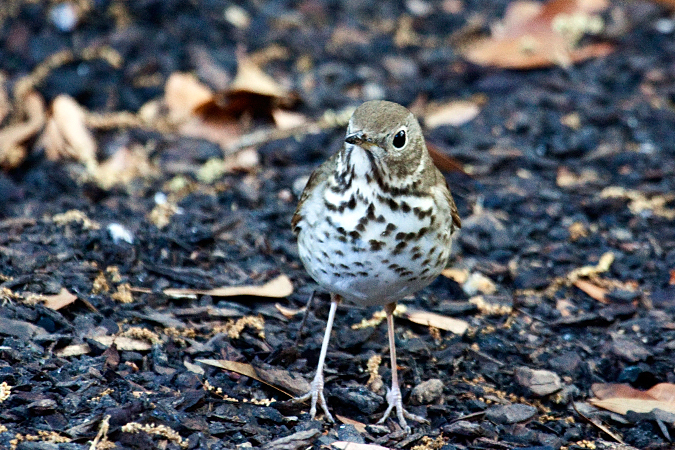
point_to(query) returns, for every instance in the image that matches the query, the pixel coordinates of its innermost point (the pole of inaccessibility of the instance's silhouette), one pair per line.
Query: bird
(374, 224)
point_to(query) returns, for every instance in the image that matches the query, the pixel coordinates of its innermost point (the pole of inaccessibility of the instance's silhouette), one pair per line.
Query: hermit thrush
(375, 224)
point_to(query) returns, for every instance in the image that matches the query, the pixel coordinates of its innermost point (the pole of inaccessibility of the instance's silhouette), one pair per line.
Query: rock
(463, 428)
(508, 414)
(538, 382)
(427, 392)
(628, 349)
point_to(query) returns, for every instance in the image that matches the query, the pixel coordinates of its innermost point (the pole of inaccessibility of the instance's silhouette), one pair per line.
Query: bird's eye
(399, 139)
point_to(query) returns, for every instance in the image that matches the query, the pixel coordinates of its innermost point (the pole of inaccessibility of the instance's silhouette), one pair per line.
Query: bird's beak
(360, 139)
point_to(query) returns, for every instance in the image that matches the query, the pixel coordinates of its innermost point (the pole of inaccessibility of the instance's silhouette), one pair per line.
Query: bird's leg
(394, 397)
(316, 391)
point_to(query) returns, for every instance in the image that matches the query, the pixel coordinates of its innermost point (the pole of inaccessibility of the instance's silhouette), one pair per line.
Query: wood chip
(594, 291)
(446, 323)
(279, 287)
(60, 300)
(124, 343)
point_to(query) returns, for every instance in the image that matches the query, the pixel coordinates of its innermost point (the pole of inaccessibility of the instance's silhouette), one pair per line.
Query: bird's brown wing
(319, 176)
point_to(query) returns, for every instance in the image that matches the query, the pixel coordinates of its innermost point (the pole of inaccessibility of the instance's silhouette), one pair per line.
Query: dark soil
(524, 227)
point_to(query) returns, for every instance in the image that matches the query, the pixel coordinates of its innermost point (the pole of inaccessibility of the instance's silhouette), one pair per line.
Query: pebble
(538, 382)
(508, 414)
(427, 392)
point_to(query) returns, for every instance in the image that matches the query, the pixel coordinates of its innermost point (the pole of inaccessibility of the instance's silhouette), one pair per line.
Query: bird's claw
(315, 394)
(395, 400)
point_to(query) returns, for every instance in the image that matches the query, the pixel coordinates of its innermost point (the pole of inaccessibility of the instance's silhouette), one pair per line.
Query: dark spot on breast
(400, 236)
(370, 212)
(393, 266)
(416, 256)
(376, 245)
(380, 219)
(361, 227)
(352, 202)
(426, 261)
(339, 253)
(350, 274)
(342, 239)
(337, 274)
(341, 230)
(362, 274)
(358, 264)
(422, 231)
(329, 206)
(344, 266)
(385, 261)
(405, 207)
(399, 247)
(354, 234)
(393, 205)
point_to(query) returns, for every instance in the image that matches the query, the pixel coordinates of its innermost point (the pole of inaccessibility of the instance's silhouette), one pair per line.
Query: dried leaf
(183, 93)
(534, 35)
(123, 166)
(459, 275)
(621, 398)
(69, 118)
(240, 368)
(594, 291)
(360, 426)
(451, 324)
(124, 343)
(279, 287)
(455, 113)
(14, 136)
(286, 120)
(60, 300)
(250, 78)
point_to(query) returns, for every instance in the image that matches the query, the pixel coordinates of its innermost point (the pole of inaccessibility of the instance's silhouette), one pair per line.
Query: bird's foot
(395, 400)
(315, 394)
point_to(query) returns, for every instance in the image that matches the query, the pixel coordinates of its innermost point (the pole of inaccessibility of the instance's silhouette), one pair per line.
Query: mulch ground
(565, 263)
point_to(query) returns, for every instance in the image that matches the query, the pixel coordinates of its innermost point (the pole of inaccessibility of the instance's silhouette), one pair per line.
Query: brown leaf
(14, 136)
(279, 287)
(240, 368)
(621, 398)
(60, 300)
(534, 35)
(76, 141)
(455, 113)
(112, 357)
(122, 167)
(183, 93)
(360, 426)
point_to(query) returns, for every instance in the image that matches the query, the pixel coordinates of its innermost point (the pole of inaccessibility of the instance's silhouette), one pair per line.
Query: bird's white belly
(374, 255)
